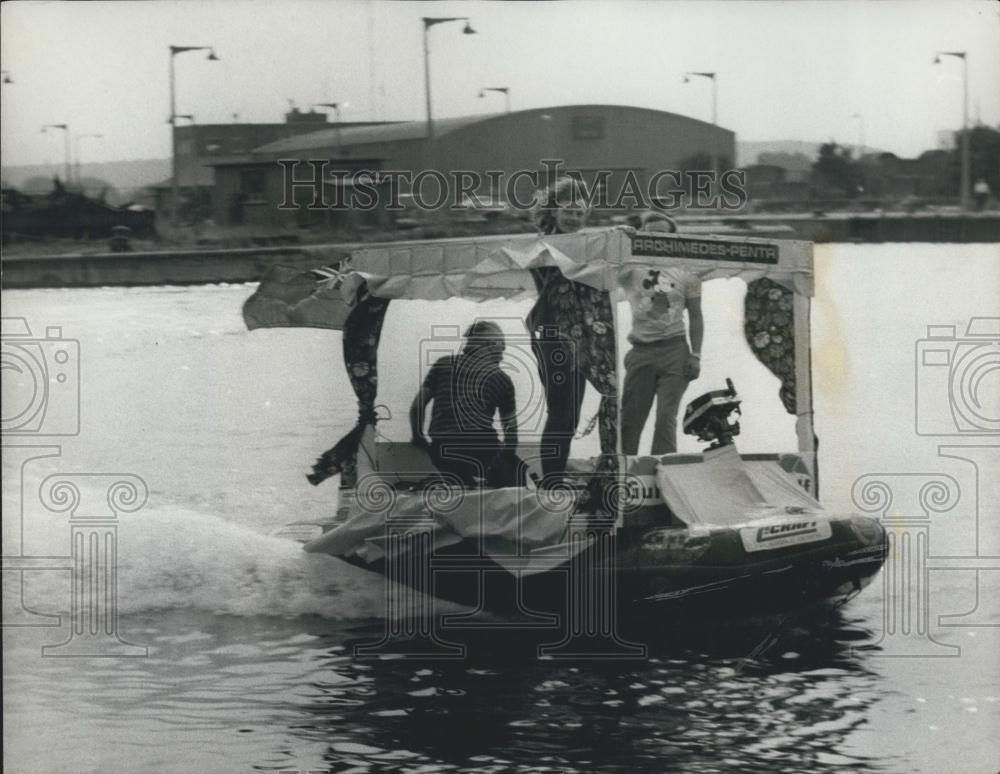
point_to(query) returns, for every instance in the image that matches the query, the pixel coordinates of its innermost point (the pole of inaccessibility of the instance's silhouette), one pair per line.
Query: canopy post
(619, 380)
(804, 429)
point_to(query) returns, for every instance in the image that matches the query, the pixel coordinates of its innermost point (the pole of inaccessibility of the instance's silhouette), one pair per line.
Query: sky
(785, 70)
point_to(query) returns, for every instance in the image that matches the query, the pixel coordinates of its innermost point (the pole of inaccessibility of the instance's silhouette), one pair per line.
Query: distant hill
(127, 177)
(747, 151)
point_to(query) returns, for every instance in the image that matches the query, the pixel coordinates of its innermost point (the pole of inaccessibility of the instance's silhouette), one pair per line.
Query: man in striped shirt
(468, 390)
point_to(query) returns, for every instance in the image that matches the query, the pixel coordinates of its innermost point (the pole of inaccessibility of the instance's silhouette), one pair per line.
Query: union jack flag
(291, 297)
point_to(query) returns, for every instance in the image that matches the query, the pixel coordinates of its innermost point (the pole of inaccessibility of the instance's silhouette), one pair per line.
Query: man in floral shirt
(660, 364)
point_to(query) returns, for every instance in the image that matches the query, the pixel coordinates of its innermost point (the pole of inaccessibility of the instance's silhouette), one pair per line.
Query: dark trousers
(564, 383)
(475, 461)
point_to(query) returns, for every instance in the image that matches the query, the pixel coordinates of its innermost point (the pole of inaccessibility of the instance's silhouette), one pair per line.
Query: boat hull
(644, 576)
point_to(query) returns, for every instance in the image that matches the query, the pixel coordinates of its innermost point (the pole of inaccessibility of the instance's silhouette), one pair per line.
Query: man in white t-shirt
(660, 364)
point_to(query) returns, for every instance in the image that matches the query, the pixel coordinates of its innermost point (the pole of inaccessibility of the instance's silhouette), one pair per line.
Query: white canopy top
(481, 268)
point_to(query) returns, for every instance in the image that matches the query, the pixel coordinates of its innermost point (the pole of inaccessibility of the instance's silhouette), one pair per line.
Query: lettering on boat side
(783, 534)
(715, 250)
(776, 531)
(643, 491)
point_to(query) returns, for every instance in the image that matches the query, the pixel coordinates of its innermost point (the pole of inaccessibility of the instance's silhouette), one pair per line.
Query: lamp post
(548, 127)
(335, 107)
(715, 96)
(430, 21)
(68, 161)
(964, 195)
(715, 110)
(174, 184)
(79, 163)
(505, 90)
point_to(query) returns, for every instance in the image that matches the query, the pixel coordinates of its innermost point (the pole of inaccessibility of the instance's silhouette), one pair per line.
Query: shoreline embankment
(203, 265)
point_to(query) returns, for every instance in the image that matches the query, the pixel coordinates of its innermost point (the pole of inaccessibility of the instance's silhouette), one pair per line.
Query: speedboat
(716, 534)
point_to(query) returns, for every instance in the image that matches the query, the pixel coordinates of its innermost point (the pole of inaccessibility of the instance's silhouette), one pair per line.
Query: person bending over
(468, 390)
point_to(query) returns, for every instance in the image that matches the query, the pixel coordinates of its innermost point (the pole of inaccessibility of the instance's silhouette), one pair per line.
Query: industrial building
(628, 142)
(199, 146)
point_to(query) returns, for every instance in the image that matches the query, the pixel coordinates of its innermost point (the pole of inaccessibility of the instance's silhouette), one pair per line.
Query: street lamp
(335, 107)
(68, 162)
(964, 196)
(715, 110)
(174, 186)
(430, 21)
(79, 163)
(715, 100)
(500, 90)
(505, 90)
(548, 124)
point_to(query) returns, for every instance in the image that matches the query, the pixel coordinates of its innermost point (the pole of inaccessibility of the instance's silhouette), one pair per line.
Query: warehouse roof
(361, 135)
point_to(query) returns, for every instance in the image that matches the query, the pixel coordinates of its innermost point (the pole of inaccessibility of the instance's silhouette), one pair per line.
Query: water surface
(250, 664)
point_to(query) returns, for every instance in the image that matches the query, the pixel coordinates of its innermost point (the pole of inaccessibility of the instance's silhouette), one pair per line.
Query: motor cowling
(709, 417)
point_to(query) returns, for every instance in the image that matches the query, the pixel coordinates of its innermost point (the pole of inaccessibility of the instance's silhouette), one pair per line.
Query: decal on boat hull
(766, 537)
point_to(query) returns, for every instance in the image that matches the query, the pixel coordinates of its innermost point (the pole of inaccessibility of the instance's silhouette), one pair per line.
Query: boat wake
(175, 559)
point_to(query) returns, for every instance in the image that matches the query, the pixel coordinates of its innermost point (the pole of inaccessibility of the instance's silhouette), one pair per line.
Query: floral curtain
(768, 323)
(362, 331)
(594, 331)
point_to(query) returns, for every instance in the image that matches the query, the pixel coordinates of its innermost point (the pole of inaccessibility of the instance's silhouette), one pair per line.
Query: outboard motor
(709, 417)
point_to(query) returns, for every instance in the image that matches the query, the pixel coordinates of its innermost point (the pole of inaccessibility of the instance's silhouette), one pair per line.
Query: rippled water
(223, 693)
(249, 641)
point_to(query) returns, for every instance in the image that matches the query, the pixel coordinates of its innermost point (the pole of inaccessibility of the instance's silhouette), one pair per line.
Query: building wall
(200, 144)
(585, 138)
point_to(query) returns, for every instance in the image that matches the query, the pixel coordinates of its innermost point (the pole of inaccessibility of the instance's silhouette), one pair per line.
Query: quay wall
(894, 227)
(204, 266)
(194, 267)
